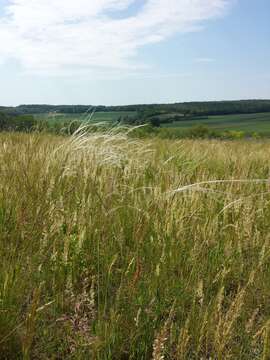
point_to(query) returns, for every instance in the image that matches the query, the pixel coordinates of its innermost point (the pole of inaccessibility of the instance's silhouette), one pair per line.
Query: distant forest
(185, 108)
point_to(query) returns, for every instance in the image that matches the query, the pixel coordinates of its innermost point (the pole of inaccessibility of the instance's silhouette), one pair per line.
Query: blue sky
(133, 51)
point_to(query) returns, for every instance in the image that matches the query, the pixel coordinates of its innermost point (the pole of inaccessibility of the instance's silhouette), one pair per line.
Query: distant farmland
(248, 123)
(244, 122)
(95, 116)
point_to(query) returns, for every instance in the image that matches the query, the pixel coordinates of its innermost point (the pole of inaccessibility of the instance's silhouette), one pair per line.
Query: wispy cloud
(66, 35)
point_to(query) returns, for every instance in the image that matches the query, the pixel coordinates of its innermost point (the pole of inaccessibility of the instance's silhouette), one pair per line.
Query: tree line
(194, 108)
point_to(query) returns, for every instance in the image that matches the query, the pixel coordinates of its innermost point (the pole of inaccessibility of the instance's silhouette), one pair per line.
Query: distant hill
(196, 108)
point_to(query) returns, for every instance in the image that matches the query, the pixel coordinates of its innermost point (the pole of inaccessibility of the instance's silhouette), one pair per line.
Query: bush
(201, 132)
(25, 123)
(233, 135)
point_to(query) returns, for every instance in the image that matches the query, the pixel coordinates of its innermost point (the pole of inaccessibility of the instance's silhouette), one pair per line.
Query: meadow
(113, 247)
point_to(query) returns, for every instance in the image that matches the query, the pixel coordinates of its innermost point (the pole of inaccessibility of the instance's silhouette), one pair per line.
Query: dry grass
(114, 248)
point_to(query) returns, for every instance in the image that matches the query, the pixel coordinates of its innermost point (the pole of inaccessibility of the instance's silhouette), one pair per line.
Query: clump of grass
(100, 233)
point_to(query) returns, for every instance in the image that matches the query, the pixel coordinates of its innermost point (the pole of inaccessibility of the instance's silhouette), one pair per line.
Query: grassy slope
(244, 122)
(101, 259)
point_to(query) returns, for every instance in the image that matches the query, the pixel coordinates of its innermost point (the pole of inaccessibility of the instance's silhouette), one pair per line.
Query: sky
(117, 52)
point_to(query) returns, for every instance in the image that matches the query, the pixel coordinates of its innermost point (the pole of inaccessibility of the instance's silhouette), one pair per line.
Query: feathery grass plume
(266, 342)
(30, 323)
(81, 319)
(225, 326)
(202, 342)
(183, 341)
(251, 321)
(162, 337)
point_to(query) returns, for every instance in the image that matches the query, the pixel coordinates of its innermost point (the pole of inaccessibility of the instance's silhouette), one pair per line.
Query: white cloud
(64, 35)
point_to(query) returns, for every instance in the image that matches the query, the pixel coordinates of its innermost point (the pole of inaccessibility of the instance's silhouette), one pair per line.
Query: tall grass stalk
(110, 249)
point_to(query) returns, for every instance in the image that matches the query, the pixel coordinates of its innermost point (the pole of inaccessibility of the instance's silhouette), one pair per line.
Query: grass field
(95, 116)
(244, 122)
(115, 248)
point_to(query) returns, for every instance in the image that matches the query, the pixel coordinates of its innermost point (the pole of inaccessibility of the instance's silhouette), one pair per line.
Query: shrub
(25, 123)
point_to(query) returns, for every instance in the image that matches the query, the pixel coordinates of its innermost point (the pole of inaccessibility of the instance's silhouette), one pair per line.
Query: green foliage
(200, 131)
(255, 135)
(155, 121)
(17, 123)
(233, 134)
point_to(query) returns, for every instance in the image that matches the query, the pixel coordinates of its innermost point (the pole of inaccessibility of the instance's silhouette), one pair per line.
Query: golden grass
(116, 248)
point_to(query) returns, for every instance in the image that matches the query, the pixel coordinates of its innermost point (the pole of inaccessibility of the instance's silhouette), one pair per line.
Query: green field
(249, 123)
(95, 117)
(244, 122)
